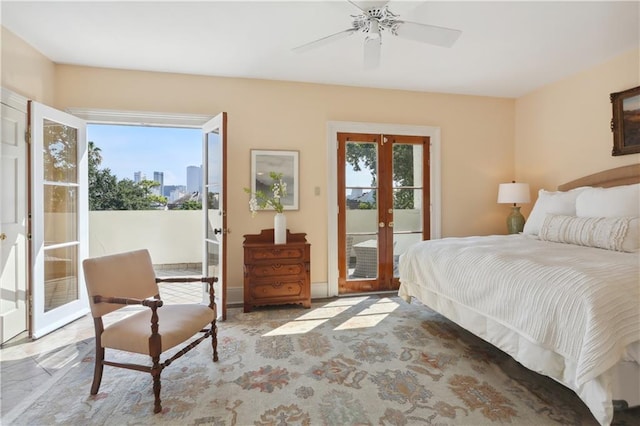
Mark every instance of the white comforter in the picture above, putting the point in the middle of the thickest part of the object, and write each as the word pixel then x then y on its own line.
pixel 582 303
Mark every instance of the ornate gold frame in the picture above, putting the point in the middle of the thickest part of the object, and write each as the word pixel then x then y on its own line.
pixel 625 123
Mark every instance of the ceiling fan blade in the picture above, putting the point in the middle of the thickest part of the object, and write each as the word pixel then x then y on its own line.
pixel 372 52
pixel 439 36
pixel 324 40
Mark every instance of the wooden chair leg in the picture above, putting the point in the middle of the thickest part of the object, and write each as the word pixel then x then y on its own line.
pixel 97 369
pixel 214 340
pixel 156 370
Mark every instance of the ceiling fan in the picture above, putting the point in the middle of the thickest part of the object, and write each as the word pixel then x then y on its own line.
pixel 378 19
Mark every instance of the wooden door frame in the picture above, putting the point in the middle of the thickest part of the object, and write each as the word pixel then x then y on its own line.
pixel 335 127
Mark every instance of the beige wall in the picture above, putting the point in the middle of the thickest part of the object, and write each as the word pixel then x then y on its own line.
pixel 550 136
pixel 477 140
pixel 25 70
pixel 563 129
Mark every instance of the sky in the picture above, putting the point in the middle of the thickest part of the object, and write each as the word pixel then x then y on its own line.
pixel 129 149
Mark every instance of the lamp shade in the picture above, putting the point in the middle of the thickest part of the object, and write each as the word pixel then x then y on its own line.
pixel 509 193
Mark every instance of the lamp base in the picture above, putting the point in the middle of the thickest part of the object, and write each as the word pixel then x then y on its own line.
pixel 515 221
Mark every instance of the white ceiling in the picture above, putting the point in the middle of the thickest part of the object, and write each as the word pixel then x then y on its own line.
pixel 506 49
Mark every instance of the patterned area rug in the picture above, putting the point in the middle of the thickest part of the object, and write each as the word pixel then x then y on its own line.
pixel 353 361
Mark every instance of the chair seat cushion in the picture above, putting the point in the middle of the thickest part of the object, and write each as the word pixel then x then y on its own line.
pixel 176 324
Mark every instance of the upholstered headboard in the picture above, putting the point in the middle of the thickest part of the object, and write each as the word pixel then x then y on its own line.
pixel 624 175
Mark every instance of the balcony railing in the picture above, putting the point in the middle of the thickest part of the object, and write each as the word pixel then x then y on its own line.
pixel 173 237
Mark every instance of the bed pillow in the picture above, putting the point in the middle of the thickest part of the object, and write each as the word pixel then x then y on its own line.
pixel 616 201
pixel 559 202
pixel 610 233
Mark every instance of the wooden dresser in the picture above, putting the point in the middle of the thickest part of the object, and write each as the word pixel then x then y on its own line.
pixel 276 274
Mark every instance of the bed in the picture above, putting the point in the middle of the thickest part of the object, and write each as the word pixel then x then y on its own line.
pixel 562 298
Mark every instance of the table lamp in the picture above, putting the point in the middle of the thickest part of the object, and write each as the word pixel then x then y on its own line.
pixel 513 192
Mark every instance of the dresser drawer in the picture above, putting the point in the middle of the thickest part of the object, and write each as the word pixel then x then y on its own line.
pixel 276 269
pixel 263 292
pixel 268 253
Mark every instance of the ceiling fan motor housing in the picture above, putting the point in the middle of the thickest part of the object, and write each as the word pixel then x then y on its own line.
pixel 385 19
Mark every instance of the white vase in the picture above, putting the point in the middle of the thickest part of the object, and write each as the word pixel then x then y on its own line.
pixel 280 228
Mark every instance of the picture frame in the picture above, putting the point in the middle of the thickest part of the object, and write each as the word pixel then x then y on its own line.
pixel 625 123
pixel 263 162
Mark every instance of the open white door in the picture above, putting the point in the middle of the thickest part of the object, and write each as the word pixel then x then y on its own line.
pixel 59 209
pixel 214 146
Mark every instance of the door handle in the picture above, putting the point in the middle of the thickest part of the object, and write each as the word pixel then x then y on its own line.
pixel 390 225
pixel 3 236
pixel 381 225
pixel 217 231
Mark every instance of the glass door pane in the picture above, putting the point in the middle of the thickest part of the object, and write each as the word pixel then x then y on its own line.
pixel 408 195
pixel 361 195
pixel 358 212
pixel 59 217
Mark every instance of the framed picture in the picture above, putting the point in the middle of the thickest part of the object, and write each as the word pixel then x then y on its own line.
pixel 285 162
pixel 625 123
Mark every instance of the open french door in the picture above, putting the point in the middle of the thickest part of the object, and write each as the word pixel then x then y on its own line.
pixel 214 146
pixel 58 207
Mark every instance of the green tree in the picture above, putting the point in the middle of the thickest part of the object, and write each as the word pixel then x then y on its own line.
pixel 403 169
pixel 107 193
pixel 191 205
pixel 137 196
pixel 364 155
pixel 103 185
pixel 60 157
pixel 60 152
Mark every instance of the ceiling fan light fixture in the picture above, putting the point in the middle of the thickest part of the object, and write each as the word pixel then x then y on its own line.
pixel 373 33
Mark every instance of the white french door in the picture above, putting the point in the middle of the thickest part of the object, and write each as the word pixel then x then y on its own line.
pixel 59 217
pixel 13 227
pixel 214 144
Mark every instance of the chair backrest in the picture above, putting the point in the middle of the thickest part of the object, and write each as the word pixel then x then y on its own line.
pixel 349 246
pixel 127 274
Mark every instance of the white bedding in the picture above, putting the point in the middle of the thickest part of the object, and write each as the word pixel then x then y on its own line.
pixel 580 304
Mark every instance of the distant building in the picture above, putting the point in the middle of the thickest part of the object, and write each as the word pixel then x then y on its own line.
pixel 194 179
pixel 358 197
pixel 355 193
pixel 138 177
pixel 159 178
pixel 177 203
pixel 168 189
pixel 174 192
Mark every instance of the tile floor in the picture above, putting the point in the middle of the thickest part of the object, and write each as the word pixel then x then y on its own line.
pixel 27 365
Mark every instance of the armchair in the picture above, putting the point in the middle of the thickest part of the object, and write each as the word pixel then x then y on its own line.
pixel 123 279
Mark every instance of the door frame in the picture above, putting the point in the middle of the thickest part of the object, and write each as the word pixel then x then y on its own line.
pixel 157 119
pixel 335 127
